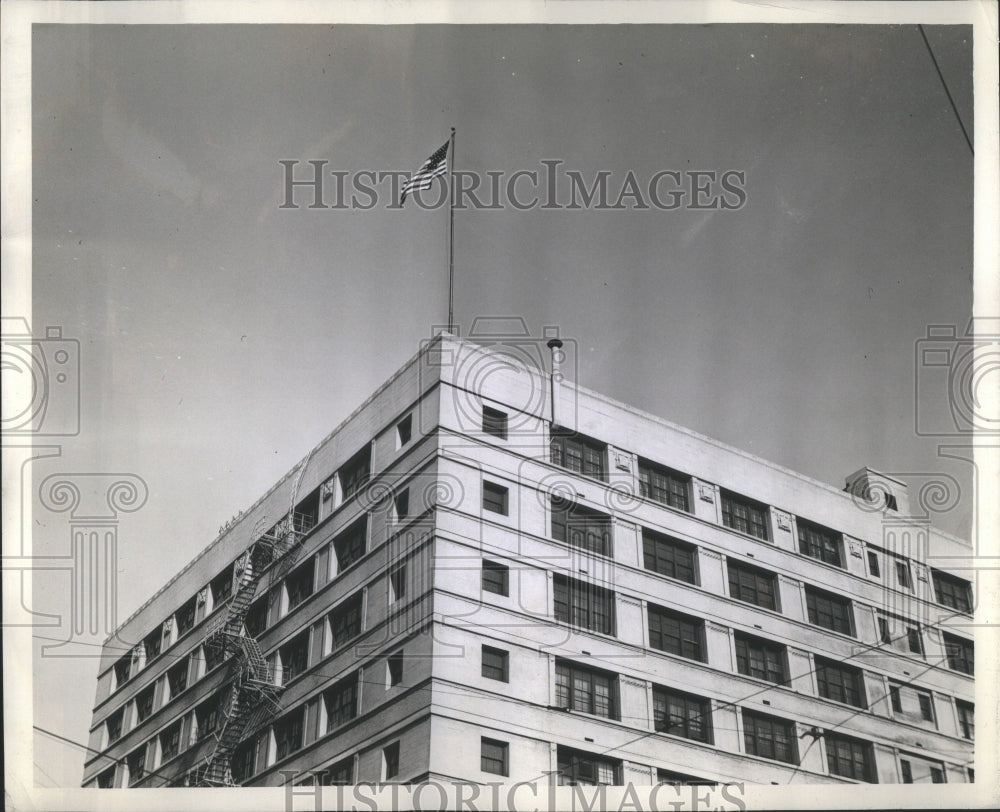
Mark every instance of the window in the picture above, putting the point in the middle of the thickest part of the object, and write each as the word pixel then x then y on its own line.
pixel 681 779
pixel 586 690
pixel 255 620
pixel 244 761
pixel 404 430
pixel 350 546
pixel 288 734
pixel 752 585
pixel 495 663
pixel 114 725
pixel 222 586
pixel 294 658
pixel 144 704
pixel 390 760
pixel 576 453
pixel 397 582
pixel 850 758
pixel 185 618
pixel 581 527
pixel 668 556
pixel 493 756
pixel 123 670
pixel 495 498
pixel 345 621
pixel 883 629
pixel 401 504
pixel 354 474
pixel 136 761
pixel 152 644
pixel 770 737
pixel 903 575
pixel 170 742
pixel 214 655
pixel 760 658
pixel 339 774
pixel 207 716
pixel 819 542
pixel 744 515
pixel 906 771
pixel 675 633
pixel 106 780
pixel 841 683
pixel 966 719
pixel 577 768
pixel 395 667
pixel 926 707
pixel 895 698
pixel 177 677
pixel 951 591
pixel 873 567
pixel 937 775
pixel 299 584
pixel 583 604
pixel 495 422
pixel 681 714
pixel 829 611
pixel 960 652
pixel 496 578
pixel 664 486
pixel 913 640
pixel 341 702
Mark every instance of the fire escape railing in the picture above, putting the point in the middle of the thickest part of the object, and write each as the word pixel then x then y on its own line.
pixel 253 698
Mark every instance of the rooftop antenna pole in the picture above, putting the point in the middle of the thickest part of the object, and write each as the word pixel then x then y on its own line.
pixel 451 237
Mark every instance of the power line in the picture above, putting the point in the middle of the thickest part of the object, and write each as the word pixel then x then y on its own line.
pixel 947 92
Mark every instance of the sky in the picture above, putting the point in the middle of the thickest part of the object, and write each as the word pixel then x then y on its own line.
pixel 222 336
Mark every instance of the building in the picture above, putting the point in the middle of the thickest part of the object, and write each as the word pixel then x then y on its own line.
pixel 492 574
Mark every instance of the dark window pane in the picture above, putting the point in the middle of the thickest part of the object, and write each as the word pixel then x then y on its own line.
pixel 584 604
pixel 580 454
pixel 760 658
pixel 495 422
pixel 586 690
pixel 744 515
pixel 960 653
pixel 681 714
pixel 829 611
pixel 770 737
pixel 675 633
pixel 819 542
pixel 841 683
pixel 752 585
pixel 668 556
pixel 496 578
pixel 495 663
pixel 952 591
pixel 664 486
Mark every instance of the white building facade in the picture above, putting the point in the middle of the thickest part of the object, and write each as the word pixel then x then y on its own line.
pixel 500 576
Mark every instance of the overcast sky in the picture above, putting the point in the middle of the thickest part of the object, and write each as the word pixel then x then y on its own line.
pixel 222 337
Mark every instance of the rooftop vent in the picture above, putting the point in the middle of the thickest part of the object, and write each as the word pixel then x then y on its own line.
pixel 873 491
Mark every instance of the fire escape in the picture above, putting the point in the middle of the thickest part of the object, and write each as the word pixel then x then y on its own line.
pixel 253 697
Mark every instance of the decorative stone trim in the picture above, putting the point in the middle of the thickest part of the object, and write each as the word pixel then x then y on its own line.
pixel 711 553
pixel 706 492
pixel 783 520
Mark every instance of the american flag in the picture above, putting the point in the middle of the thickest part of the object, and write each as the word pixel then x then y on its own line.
pixel 433 167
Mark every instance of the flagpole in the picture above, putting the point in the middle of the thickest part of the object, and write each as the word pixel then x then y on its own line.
pixel 451 236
